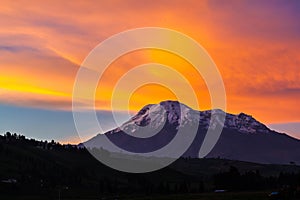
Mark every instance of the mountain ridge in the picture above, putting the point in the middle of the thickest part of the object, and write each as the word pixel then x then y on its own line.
pixel 243 137
pixel 237 121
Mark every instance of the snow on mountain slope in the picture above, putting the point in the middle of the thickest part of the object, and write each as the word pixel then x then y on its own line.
pixel 154 116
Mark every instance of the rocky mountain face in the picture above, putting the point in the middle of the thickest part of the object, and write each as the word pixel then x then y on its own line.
pixel 243 137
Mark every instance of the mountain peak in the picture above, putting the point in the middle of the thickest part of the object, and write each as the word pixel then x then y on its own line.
pixel 242 137
pixel 154 116
pixel 245 123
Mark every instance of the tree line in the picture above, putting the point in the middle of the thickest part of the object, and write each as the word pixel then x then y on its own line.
pixel 46 168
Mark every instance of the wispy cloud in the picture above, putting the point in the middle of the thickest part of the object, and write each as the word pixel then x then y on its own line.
pixel 254 43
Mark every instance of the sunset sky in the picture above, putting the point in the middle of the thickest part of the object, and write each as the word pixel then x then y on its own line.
pixel 254 43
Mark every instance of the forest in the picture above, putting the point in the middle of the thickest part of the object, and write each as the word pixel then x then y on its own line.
pixel 48 169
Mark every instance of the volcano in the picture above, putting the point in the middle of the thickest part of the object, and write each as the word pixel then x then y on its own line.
pixel 242 138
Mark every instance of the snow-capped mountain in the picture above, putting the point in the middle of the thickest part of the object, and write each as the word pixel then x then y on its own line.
pixel 243 137
pixel 155 116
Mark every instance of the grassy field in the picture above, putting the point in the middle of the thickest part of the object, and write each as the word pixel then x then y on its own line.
pixel 212 196
pixel 204 196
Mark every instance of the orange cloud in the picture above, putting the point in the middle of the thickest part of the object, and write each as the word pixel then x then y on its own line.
pixel 255 45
